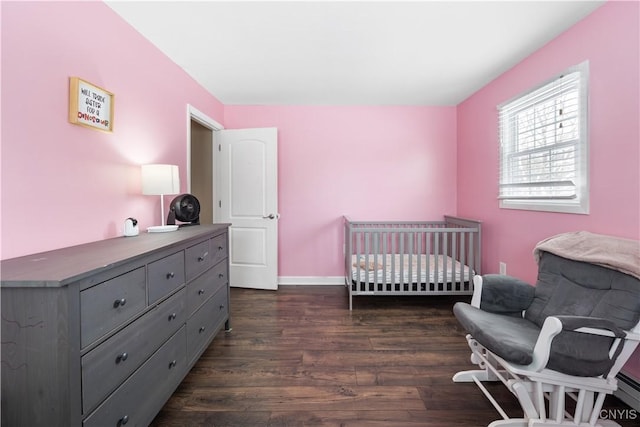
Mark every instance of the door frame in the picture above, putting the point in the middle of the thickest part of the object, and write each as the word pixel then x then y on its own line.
pixel 198 116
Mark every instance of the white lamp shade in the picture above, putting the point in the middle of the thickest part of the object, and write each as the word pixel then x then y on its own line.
pixel 160 179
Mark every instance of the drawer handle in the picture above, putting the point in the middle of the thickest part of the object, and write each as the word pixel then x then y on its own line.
pixel 201 330
pixel 172 316
pixel 122 421
pixel 172 364
pixel 122 357
pixel 203 257
pixel 170 275
pixel 201 291
pixel 119 302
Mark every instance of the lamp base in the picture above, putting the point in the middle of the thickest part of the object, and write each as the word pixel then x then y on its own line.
pixel 162 228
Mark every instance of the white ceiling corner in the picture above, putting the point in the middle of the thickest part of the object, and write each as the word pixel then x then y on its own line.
pixel 349 52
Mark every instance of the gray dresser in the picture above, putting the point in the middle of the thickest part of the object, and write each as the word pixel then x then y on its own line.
pixel 101 334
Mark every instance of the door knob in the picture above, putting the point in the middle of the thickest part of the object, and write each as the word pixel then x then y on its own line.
pixel 270 216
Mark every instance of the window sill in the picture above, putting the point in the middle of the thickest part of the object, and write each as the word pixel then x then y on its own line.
pixel 550 206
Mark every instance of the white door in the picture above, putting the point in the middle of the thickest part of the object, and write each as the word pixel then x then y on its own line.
pixel 248 199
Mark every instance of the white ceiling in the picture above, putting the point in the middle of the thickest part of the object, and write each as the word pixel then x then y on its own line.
pixel 349 52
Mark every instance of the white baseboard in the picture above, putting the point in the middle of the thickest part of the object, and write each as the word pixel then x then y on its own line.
pixel 311 280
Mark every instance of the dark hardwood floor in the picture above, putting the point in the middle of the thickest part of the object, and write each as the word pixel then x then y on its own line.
pixel 298 357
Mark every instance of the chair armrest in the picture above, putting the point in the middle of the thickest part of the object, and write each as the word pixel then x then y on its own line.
pixel 559 326
pixel 502 294
pixel 551 327
pixel 591 325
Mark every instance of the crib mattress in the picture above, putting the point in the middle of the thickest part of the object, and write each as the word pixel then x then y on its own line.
pixel 398 269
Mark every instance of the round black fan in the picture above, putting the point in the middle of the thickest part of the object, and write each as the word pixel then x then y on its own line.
pixel 184 208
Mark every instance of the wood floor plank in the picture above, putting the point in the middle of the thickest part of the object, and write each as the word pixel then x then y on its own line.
pixel 267 341
pixel 258 373
pixel 299 357
pixel 384 358
pixel 303 398
pixel 405 375
pixel 398 418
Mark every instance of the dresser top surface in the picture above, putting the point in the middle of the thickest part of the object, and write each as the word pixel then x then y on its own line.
pixel 62 266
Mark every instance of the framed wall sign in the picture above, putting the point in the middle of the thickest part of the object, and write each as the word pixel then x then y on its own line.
pixel 90 105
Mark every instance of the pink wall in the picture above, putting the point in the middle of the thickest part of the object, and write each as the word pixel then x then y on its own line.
pixel 64 184
pixel 609 38
pixel 384 163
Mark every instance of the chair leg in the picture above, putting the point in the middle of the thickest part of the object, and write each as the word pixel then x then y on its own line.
pixel 480 374
pixel 524 397
pixel 512 422
pixel 557 403
pixel 482 358
pixel 597 406
pixel 584 406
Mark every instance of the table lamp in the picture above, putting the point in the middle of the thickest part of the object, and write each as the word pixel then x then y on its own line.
pixel 160 180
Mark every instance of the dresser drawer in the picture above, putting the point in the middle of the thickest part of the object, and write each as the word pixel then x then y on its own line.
pixel 197 259
pixel 202 288
pixel 109 304
pixel 137 401
pixel 165 275
pixel 205 323
pixel 105 367
pixel 219 248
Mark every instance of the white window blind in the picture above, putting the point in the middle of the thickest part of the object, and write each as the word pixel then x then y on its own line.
pixel 543 142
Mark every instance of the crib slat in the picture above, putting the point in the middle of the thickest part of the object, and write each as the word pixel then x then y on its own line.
pixel 462 260
pixel 411 255
pixel 471 246
pixel 394 250
pixel 402 254
pixel 358 237
pixel 436 254
pixel 373 250
pixel 454 256
pixel 419 258
pixel 385 242
pixel 446 270
pixel 367 249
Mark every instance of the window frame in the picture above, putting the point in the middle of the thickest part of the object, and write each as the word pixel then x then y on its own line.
pixel 579 204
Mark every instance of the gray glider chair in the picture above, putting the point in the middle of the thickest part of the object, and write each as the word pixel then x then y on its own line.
pixel 566 337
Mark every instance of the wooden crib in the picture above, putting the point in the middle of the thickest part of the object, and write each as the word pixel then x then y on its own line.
pixel 411 258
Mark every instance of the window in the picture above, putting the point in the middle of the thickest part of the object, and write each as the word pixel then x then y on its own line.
pixel 544 146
